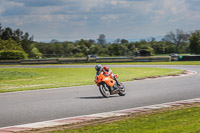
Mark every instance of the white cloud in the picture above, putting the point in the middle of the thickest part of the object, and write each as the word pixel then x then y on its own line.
pixel 127 17
pixel 113 2
pixel 110 17
pixel 47 18
pixel 2 9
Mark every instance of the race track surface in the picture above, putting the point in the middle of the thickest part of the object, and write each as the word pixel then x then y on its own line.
pixel 18 108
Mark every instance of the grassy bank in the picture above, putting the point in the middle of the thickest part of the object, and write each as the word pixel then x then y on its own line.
pixel 185 120
pixel 20 79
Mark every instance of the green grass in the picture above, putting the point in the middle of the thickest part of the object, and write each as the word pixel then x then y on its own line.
pixel 12 75
pixel 173 121
pixel 20 79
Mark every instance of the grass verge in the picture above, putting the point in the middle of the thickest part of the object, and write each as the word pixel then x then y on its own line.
pixel 176 120
pixel 21 79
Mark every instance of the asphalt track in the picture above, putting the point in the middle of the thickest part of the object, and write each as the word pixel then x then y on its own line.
pixel 18 108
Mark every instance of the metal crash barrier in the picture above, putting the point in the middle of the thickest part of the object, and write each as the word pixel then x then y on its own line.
pixel 84 60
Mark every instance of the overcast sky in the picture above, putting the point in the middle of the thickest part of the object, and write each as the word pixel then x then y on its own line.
pixel 76 19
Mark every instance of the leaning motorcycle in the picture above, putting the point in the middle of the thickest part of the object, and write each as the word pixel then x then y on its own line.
pixel 108 86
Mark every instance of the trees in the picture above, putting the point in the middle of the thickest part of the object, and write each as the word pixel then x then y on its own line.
pixel 26 42
pixel 123 41
pixel 195 42
pixel 13 55
pixel 173 42
pixel 7 33
pixel 179 39
pixel 0 30
pixel 102 39
pixel 17 35
pixel 10 49
pixel 10 44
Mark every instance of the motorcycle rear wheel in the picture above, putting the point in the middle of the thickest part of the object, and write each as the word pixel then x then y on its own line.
pixel 104 90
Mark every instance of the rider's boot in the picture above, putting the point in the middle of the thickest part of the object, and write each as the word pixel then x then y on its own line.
pixel 118 84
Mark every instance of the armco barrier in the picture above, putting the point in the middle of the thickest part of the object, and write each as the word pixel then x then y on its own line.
pixel 72 60
pixel 189 58
pixel 151 59
pixel 114 59
pixel 130 59
pixel 39 61
pixel 86 60
pixel 10 62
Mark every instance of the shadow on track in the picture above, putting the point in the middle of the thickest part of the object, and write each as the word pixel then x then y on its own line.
pixel 92 97
pixel 96 97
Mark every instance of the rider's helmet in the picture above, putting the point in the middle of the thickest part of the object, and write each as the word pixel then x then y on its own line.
pixel 98 67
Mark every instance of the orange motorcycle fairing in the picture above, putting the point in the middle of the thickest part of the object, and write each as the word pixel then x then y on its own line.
pixel 107 79
pixel 107 85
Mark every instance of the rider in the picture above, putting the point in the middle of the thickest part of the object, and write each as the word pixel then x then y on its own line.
pixel 107 72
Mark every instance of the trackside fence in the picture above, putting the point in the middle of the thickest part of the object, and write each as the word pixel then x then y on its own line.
pixel 85 60
pixel 189 58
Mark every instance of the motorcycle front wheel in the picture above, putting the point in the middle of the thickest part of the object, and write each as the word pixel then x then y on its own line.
pixel 104 90
pixel 122 91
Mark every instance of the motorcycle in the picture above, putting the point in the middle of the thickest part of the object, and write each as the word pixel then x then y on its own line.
pixel 108 86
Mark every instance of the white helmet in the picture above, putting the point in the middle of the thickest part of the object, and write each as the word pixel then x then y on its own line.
pixel 98 67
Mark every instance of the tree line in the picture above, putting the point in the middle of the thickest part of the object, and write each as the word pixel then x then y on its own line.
pixel 173 42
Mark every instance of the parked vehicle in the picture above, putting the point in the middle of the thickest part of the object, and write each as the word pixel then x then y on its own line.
pixel 174 56
pixel 92 56
pixel 108 86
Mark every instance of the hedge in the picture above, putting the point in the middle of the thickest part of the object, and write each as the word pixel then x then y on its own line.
pixel 13 54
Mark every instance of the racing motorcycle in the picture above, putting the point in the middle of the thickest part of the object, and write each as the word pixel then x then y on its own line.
pixel 108 86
